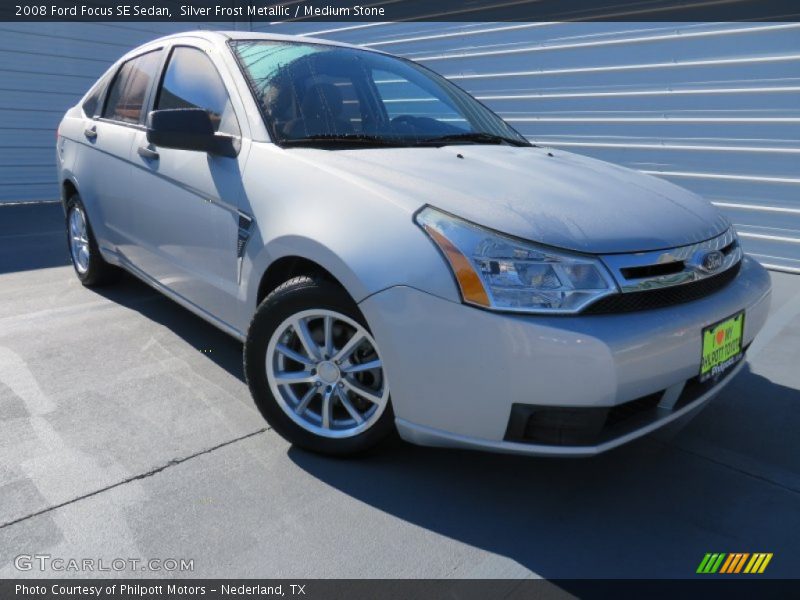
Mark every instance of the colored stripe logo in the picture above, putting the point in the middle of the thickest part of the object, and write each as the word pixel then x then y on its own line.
pixel 731 563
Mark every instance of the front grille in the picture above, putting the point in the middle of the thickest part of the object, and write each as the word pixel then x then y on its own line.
pixel 657 270
pixel 665 296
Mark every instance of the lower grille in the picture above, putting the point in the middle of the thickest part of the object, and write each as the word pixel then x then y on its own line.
pixel 574 426
pixel 661 297
pixel 593 425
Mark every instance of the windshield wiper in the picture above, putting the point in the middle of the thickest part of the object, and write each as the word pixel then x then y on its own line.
pixel 475 137
pixel 360 139
pixel 345 139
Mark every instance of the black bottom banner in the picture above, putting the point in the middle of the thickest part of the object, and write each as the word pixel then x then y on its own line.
pixel 389 589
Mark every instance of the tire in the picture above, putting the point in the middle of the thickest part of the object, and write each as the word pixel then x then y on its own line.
pixel 89 265
pixel 336 366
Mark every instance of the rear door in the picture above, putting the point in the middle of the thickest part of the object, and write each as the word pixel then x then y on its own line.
pixel 188 202
pixel 104 171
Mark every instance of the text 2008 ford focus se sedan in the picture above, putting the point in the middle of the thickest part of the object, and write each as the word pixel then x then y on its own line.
pixel 394 255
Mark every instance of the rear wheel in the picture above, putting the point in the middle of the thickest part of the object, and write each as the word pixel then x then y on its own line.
pixel 87 261
pixel 315 370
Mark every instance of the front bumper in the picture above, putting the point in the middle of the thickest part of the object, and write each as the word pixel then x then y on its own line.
pixel 456 372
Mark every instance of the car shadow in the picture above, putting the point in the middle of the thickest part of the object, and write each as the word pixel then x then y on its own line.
pixel 650 509
pixel 32 236
pixel 217 346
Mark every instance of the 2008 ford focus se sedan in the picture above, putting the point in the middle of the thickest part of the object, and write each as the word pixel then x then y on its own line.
pixel 394 256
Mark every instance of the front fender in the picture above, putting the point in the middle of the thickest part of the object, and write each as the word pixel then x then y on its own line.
pixel 361 234
pixel 302 247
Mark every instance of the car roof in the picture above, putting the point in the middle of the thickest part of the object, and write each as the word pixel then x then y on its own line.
pixel 223 36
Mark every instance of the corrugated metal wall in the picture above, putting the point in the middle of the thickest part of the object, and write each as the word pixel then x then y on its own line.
pixel 713 107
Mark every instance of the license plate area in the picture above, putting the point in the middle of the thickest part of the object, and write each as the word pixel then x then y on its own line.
pixel 721 346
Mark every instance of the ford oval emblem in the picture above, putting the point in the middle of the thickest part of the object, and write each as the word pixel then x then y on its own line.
pixel 711 261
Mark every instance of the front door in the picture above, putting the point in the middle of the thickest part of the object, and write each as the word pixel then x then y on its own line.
pixel 187 202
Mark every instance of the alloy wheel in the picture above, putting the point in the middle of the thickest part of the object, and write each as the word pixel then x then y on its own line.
pixel 326 374
pixel 79 239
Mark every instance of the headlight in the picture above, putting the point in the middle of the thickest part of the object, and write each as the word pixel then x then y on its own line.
pixel 506 274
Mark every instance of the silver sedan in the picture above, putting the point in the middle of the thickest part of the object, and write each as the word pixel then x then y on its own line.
pixel 396 257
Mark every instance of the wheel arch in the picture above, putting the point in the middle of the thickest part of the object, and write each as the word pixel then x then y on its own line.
pixel 69 188
pixel 286 267
pixel 287 256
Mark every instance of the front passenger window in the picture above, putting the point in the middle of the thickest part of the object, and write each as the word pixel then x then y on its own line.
pixel 192 81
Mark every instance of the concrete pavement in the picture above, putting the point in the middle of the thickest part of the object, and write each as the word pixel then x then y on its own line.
pixel 126 430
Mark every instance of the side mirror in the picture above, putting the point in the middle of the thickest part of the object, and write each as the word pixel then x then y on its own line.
pixel 188 129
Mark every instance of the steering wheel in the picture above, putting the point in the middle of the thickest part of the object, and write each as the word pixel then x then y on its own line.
pixel 404 120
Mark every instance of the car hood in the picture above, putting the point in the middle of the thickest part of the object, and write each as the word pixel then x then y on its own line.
pixel 547 196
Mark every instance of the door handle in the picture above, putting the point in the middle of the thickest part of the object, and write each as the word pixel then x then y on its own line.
pixel 147 153
pixel 90 132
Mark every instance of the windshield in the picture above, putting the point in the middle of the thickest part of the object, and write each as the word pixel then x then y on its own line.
pixel 316 94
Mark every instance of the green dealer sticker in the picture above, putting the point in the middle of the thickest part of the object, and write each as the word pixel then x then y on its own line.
pixel 722 346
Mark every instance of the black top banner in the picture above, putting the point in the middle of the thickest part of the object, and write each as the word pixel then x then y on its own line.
pixel 400 10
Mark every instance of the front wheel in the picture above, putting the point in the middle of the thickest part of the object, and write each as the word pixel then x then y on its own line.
pixel 315 371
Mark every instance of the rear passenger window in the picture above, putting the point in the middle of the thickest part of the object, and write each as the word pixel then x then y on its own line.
pixel 90 104
pixel 128 93
pixel 192 81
